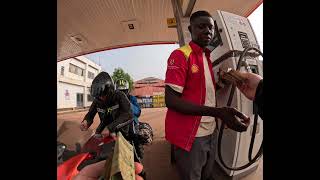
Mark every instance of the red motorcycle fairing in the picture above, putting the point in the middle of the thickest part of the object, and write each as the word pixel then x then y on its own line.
pixel 70 168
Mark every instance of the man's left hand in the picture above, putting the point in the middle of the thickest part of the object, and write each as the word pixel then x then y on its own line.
pixel 234 119
pixel 105 132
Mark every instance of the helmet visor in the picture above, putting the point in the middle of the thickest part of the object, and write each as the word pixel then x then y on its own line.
pixel 97 89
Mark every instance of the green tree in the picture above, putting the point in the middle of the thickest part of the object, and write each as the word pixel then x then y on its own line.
pixel 119 73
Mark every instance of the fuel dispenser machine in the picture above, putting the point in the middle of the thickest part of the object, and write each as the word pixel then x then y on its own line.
pixel 232 36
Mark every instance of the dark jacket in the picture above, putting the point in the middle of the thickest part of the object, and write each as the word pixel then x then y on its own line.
pixel 258 100
pixel 115 113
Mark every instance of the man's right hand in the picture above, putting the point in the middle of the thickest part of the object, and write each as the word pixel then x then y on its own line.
pixel 234 119
pixel 84 126
pixel 249 87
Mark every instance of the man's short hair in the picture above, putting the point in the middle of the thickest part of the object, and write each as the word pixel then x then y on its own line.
pixel 198 14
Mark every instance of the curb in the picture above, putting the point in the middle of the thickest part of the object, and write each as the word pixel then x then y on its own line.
pixel 72 111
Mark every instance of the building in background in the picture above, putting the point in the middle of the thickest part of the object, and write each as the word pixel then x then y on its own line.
pixel 74 78
pixel 149 92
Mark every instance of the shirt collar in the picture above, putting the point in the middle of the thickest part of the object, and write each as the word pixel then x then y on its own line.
pixel 198 50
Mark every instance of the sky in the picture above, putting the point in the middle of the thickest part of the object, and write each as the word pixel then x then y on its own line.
pixel 256 20
pixel 138 61
pixel 150 60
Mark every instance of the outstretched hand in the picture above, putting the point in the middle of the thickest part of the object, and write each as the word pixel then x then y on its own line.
pixel 234 119
pixel 250 84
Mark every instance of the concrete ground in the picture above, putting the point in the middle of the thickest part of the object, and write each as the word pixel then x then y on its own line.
pixel 157 156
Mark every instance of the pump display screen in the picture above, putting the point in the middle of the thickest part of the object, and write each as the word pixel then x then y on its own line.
pixel 254 69
pixel 244 39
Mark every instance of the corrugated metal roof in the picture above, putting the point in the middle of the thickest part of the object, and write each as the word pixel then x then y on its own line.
pixel 150 81
pixel 147 91
pixel 148 87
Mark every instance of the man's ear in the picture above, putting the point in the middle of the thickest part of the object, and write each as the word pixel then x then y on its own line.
pixel 189 27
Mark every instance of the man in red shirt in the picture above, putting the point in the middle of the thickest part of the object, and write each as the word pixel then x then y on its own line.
pixel 190 97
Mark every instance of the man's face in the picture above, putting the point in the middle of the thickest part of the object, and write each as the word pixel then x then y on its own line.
pixel 201 29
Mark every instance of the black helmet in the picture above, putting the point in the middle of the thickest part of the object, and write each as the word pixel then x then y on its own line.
pixel 102 85
pixel 122 85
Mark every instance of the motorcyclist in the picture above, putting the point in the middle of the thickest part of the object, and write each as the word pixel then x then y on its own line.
pixel 143 134
pixel 123 85
pixel 112 106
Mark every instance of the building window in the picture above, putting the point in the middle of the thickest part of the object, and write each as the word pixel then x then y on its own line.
pixel 62 71
pixel 80 71
pixel 76 70
pixel 90 75
pixel 72 68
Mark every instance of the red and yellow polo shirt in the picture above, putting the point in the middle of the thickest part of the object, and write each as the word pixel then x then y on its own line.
pixel 186 74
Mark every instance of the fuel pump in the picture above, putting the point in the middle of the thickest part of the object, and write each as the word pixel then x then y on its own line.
pixel 235 46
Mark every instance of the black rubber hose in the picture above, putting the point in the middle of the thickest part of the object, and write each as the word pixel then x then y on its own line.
pixel 258 155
